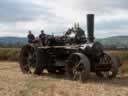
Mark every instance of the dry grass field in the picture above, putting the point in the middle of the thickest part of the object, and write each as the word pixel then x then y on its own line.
pixel 14 83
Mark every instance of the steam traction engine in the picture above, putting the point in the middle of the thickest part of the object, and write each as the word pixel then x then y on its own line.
pixel 76 61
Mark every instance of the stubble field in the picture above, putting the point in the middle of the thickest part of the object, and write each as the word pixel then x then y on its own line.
pixel 14 83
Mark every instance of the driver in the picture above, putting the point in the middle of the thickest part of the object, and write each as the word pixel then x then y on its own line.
pixel 31 37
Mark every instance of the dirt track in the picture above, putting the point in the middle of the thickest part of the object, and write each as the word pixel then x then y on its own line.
pixel 14 83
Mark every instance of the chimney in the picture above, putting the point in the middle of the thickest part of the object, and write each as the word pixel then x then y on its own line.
pixel 90 27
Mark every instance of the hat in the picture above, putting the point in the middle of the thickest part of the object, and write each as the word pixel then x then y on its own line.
pixel 42 30
pixel 29 31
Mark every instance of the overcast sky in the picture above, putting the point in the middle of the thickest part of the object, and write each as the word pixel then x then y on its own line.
pixel 55 16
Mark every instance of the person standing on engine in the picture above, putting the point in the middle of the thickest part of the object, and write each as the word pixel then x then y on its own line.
pixel 80 34
pixel 42 37
pixel 31 37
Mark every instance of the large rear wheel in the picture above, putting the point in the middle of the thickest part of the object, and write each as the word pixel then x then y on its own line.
pixel 26 60
pixel 78 67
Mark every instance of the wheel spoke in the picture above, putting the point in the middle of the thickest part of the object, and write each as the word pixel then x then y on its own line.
pixel 29 63
pixel 77 66
pixel 76 75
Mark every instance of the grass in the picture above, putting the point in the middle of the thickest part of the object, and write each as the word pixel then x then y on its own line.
pixel 10 54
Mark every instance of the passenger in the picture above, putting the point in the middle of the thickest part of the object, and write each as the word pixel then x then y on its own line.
pixel 42 37
pixel 31 37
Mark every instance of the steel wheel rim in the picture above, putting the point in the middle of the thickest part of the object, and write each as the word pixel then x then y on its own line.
pixel 76 68
pixel 29 63
pixel 106 60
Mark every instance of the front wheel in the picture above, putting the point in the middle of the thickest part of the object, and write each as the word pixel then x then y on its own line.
pixel 109 59
pixel 78 67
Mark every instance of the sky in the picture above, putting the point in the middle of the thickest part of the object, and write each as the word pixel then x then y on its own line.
pixel 55 16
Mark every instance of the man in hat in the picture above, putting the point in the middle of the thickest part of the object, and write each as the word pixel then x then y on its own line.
pixel 31 37
pixel 80 34
pixel 42 37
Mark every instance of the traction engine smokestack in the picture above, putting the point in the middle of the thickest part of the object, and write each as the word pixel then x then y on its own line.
pixel 90 27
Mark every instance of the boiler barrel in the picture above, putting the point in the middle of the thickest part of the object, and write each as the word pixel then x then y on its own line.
pixel 90 27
